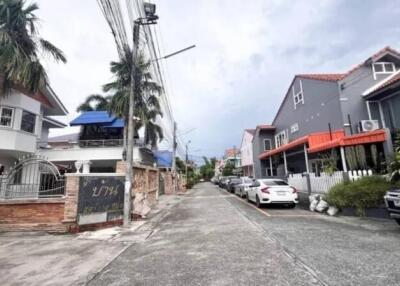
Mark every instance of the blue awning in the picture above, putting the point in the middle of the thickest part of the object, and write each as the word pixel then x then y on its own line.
pixel 163 158
pixel 102 118
pixel 117 123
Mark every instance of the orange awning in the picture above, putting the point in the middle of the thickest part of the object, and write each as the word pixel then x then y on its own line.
pixel 357 139
pixel 321 141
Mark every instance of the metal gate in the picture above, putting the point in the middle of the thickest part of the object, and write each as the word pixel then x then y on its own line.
pixel 33 177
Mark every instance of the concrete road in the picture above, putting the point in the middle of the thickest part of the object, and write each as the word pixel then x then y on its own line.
pixel 211 237
pixel 215 238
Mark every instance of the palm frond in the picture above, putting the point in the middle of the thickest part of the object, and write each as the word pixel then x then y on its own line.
pixel 57 54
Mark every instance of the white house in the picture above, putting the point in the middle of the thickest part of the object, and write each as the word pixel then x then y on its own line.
pixel 25 122
pixel 246 152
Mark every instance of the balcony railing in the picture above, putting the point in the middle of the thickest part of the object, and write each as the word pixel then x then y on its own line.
pixel 97 143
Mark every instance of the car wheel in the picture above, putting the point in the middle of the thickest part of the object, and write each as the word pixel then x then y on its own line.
pixel 397 220
pixel 258 203
pixel 248 198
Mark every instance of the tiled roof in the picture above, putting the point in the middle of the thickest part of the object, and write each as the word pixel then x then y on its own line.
pixel 384 83
pixel 265 127
pixel 323 76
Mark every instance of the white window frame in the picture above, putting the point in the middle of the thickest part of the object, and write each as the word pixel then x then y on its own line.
pixel 296 96
pixel 12 116
pixel 270 144
pixel 383 68
pixel 278 141
pixel 294 127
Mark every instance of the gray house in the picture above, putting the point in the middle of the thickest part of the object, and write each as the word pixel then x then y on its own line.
pixel 348 116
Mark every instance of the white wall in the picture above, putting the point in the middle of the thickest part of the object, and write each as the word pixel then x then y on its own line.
pixel 246 149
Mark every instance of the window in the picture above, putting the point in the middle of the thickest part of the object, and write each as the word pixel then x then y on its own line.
pixel 6 116
pixel 275 183
pixel 28 122
pixel 298 94
pixel 294 128
pixel 267 144
pixel 281 138
pixel 383 68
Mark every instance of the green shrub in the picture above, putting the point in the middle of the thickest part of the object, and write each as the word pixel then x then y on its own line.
pixel 365 193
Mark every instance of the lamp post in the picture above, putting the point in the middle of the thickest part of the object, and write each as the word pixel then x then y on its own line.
pixel 149 19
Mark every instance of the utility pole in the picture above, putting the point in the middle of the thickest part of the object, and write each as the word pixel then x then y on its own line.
pixel 149 19
pixel 187 159
pixel 175 145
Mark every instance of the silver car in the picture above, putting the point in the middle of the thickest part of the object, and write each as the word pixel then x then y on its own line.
pixel 242 188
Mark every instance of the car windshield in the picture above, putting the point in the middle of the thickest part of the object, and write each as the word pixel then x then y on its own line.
pixel 275 183
pixel 248 181
pixel 236 181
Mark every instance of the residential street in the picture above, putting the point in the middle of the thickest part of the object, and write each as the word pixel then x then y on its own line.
pixel 214 238
pixel 210 237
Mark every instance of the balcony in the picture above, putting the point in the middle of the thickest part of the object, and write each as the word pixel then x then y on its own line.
pixel 99 149
pixel 18 141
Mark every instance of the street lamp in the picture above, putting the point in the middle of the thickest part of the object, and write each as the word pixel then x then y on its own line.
pixel 149 19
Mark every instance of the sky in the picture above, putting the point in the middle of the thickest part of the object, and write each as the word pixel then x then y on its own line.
pixel 246 55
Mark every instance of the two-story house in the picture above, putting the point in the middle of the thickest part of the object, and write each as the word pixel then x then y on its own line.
pixel 325 112
pixel 25 122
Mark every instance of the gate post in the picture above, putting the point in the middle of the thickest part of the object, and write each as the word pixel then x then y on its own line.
pixel 308 182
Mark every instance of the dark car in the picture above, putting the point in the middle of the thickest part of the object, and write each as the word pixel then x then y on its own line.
pixel 224 181
pixel 392 201
pixel 230 186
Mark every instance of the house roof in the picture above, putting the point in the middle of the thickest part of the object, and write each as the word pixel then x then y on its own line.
pixel 323 76
pixel 102 118
pixel 265 127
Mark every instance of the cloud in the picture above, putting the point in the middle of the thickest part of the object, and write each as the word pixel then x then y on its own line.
pixel 246 54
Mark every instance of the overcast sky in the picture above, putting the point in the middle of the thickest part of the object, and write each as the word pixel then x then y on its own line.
pixel 247 53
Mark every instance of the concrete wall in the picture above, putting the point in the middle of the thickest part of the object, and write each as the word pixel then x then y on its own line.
pixel 321 107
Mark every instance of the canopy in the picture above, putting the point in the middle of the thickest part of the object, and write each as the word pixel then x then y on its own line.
pixel 102 118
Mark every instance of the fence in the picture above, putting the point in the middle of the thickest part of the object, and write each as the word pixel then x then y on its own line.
pixel 311 183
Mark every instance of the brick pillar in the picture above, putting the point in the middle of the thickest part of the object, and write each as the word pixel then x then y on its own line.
pixel 71 199
pixel 120 167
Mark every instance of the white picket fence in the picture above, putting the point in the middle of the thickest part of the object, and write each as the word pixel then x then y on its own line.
pixel 322 184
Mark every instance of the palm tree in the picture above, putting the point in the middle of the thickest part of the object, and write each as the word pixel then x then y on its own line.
pixel 20 47
pixel 95 102
pixel 147 106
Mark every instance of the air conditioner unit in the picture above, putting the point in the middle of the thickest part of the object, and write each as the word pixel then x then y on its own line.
pixel 368 125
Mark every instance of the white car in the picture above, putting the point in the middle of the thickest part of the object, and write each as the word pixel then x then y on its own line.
pixel 272 191
pixel 243 187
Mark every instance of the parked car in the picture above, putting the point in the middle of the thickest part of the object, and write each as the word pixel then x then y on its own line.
pixel 272 191
pixel 230 186
pixel 392 201
pixel 224 181
pixel 242 188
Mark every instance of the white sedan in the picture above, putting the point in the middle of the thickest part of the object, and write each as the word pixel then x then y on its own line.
pixel 272 191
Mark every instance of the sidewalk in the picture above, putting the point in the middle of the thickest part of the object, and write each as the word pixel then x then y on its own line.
pixel 37 258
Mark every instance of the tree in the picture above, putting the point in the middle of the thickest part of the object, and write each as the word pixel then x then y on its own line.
pixel 228 169
pixel 95 102
pixel 207 170
pixel 147 106
pixel 20 47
